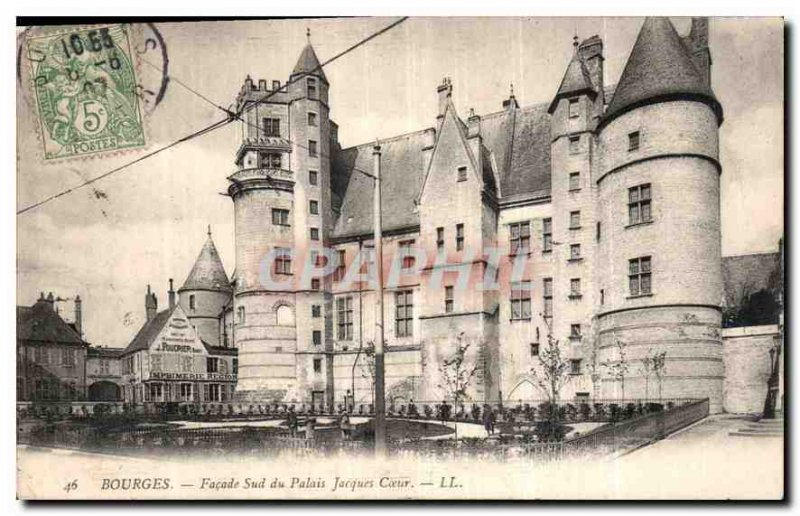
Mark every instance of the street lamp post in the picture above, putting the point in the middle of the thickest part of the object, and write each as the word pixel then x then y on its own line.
pixel 380 401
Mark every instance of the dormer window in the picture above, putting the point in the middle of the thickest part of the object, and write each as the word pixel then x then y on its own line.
pixel 574 108
pixel 633 141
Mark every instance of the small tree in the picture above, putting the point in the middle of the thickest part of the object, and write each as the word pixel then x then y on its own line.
pixel 647 370
pixel 660 368
pixel 456 374
pixel 595 371
pixel 551 375
pixel 619 368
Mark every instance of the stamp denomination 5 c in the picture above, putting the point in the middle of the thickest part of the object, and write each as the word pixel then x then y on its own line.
pixel 84 84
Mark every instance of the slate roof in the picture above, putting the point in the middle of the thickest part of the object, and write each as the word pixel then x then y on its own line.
pixel 40 322
pixel 576 80
pixel 148 333
pixel 219 350
pixel 102 352
pixel 309 63
pixel 747 274
pixel 402 171
pixel 659 66
pixel 208 272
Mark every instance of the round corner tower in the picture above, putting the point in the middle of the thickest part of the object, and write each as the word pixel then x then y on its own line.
pixel 658 188
pixel 280 206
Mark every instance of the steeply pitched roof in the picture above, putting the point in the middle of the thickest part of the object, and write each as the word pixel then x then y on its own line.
pixel 208 272
pixel 520 142
pixel 402 171
pixel 148 333
pixel 659 66
pixel 576 80
pixel 309 63
pixel 41 323
pixel 747 274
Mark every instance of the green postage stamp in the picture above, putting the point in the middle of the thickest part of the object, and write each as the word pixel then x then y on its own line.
pixel 84 89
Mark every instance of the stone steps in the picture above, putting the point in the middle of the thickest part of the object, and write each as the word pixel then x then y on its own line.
pixel 761 428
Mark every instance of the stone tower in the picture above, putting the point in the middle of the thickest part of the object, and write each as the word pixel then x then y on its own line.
pixel 281 196
pixel 658 187
pixel 205 293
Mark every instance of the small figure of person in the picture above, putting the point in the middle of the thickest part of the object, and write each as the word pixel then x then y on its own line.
pixel 310 428
pixel 492 420
pixel 292 422
pixel 487 419
pixel 344 425
pixel 444 409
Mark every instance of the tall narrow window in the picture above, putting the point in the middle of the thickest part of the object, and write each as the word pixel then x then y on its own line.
pixel 314 233
pixel 521 300
pixel 597 236
pixel 575 252
pixel 462 174
pixel 574 181
pixel 520 236
pixel 575 288
pixel 633 141
pixel 212 365
pixel 639 204
pixel 574 108
pixel 448 299
pixel 312 119
pixel 574 220
pixel 311 87
pixel 317 365
pixel 313 178
pixel 548 296
pixel 313 207
pixel 574 331
pixel 408 258
pixel 316 311
pixel 344 318
pixel 404 313
pixel 339 271
pixel 191 303
pixel 547 235
pixel 240 315
pixel 440 238
pixel 316 337
pixel 574 144
pixel 459 237
pixel 639 276
pixel 575 366
pixel 283 261
pixel 312 148
pixel 280 217
pixel 534 349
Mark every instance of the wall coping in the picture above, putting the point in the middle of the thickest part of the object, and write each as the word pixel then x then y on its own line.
pixel 750 331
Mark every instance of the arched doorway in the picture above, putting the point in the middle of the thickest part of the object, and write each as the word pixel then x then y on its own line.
pixel 104 391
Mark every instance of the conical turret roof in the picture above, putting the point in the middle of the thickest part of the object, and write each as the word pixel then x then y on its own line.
pixel 208 272
pixel 309 63
pixel 576 80
pixel 659 67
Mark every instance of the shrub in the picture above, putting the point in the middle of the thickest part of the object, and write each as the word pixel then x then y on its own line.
pixel 412 410
pixel 630 410
pixel 585 411
pixel 428 411
pixel 572 412
pixel 614 411
pixel 476 412
pixel 599 411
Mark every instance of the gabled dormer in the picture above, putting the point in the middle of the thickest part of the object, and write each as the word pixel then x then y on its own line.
pixel 575 105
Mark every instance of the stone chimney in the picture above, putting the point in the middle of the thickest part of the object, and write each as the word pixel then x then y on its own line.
pixel 591 52
pixel 445 91
pixel 171 295
pixel 150 305
pixel 50 299
pixel 473 124
pixel 511 101
pixel 697 43
pixel 79 315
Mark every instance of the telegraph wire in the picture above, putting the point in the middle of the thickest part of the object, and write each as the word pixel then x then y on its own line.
pixel 230 117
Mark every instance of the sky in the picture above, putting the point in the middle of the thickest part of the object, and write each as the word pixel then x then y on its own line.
pixel 147 224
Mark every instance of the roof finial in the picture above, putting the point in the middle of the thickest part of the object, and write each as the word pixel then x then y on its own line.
pixel 209 230
pixel 512 90
pixel 308 34
pixel 575 40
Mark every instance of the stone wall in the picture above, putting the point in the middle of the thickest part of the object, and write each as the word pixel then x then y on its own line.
pixel 747 368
